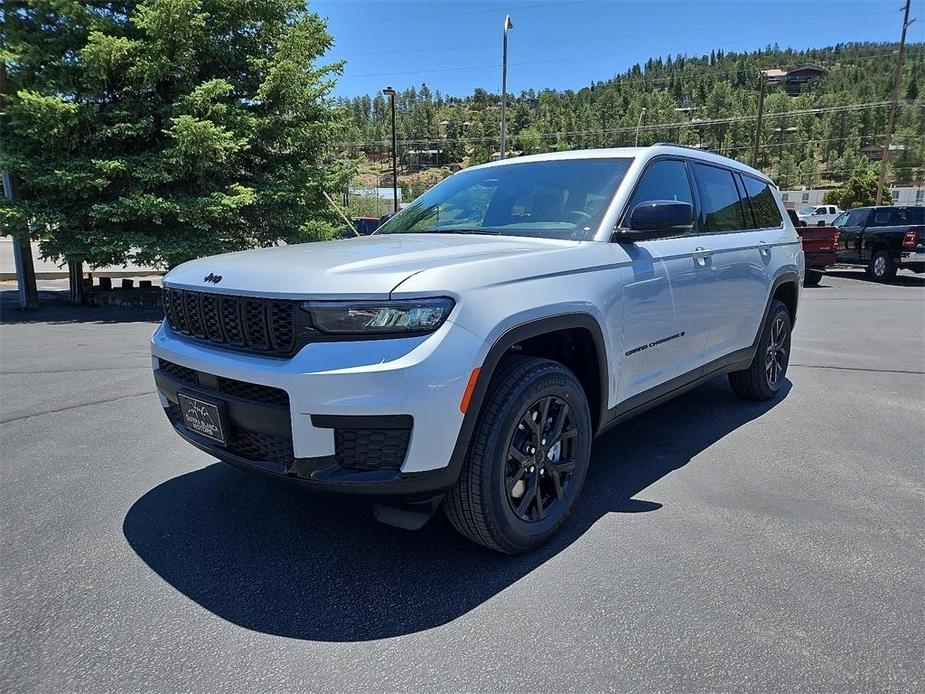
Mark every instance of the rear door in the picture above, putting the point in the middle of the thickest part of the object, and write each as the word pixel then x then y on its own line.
pixel 667 282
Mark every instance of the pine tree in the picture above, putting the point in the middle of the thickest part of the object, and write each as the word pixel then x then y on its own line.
pixel 162 130
pixel 912 90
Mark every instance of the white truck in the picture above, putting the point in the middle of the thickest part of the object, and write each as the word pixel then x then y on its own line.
pixel 818 215
pixel 466 354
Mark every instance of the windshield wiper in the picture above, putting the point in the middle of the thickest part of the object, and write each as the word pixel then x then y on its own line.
pixel 463 230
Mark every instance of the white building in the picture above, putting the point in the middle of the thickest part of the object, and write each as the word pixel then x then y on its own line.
pixel 904 195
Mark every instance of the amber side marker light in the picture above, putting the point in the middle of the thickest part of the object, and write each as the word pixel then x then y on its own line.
pixel 470 387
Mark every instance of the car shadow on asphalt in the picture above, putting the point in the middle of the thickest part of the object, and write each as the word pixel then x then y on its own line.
pixel 270 557
pixel 901 279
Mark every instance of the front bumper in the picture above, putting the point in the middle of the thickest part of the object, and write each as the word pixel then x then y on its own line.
pixel 418 381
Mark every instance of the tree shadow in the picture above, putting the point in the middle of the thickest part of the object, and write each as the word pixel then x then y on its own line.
pixel 272 558
pixel 56 311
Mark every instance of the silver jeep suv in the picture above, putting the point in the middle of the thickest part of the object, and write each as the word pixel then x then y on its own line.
pixel 467 353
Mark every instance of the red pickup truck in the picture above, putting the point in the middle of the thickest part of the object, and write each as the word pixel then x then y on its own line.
pixel 820 248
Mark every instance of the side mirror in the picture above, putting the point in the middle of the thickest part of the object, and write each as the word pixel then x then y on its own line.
pixel 655 219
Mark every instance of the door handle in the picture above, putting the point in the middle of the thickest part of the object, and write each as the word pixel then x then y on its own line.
pixel 701 254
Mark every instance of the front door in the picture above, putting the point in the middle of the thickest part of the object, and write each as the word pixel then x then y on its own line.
pixel 667 286
pixel 849 236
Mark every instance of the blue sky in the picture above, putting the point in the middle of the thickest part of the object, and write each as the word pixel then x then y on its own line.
pixel 456 46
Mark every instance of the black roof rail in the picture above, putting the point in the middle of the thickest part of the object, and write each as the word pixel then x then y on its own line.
pixel 675 144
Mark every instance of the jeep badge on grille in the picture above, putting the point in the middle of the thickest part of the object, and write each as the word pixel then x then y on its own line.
pixel 214 279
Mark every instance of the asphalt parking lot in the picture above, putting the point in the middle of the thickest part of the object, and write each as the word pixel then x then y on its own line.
pixel 720 546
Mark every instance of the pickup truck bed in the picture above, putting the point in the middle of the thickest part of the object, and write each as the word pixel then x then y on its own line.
pixel 820 247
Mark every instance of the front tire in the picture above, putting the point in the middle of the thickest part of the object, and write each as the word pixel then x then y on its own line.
pixel 763 378
pixel 881 267
pixel 528 458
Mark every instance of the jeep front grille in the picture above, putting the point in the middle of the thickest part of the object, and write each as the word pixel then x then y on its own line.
pixel 267 326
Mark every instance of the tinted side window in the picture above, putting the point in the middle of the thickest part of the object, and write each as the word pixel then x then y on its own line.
pixel 856 218
pixel 663 180
pixel 720 208
pixel 898 216
pixel 886 217
pixel 764 206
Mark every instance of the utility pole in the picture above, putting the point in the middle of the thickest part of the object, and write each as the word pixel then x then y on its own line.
pixel 757 141
pixel 897 79
pixel 391 93
pixel 507 25
pixel 22 246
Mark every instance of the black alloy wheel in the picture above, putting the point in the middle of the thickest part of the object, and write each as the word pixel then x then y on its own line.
pixel 778 352
pixel 541 459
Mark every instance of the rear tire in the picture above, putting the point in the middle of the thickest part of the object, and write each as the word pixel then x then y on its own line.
pixel 528 457
pixel 812 278
pixel 881 267
pixel 763 378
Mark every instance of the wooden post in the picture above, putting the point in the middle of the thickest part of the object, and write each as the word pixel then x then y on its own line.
pixel 897 79
pixel 757 140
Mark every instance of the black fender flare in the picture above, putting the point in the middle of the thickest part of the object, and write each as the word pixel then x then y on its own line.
pixel 501 346
pixel 786 277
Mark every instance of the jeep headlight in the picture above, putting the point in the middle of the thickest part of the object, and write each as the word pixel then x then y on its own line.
pixel 393 318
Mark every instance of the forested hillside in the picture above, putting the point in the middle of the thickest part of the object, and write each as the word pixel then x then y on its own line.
pixel 810 139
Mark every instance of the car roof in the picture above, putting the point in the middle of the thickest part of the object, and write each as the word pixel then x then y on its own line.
pixel 633 153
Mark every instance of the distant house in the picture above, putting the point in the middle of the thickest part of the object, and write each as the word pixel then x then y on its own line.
pixel 424 158
pixel 794 80
pixel 875 152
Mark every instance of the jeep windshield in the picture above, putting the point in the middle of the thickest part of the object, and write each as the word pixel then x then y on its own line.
pixel 556 199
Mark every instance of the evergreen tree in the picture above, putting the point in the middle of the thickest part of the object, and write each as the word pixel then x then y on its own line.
pixel 859 191
pixel 912 90
pixel 685 93
pixel 162 130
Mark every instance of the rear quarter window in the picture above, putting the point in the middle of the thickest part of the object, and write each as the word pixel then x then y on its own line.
pixel 764 206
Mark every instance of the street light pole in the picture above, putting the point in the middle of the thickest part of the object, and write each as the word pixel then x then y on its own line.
pixel 897 78
pixel 391 94
pixel 507 25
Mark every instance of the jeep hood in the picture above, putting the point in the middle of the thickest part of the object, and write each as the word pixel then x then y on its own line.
pixel 364 267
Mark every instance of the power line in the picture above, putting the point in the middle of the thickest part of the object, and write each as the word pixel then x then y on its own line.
pixel 645 128
pixel 686 72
